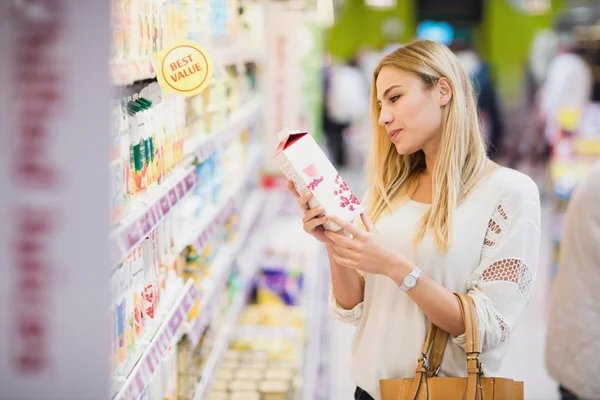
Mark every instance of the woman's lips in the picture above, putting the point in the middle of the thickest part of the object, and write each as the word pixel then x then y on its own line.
pixel 394 133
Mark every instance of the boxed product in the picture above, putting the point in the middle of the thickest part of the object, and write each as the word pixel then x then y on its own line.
pixel 307 166
pixel 278 285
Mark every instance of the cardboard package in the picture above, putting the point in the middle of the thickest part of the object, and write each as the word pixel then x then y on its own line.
pixel 306 165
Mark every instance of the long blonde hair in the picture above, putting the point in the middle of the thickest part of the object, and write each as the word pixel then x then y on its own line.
pixel 462 159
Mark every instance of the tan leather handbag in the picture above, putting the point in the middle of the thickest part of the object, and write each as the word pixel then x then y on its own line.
pixel 427 385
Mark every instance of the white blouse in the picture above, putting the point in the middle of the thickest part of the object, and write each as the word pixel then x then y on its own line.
pixel 492 256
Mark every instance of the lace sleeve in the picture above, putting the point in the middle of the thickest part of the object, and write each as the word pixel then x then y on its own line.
pixel 503 283
pixel 349 316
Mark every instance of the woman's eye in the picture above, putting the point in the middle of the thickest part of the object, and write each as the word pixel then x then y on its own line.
pixel 393 99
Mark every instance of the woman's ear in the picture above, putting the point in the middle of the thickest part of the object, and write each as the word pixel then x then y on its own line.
pixel 445 91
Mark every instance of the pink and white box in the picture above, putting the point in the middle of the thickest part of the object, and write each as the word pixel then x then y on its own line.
pixel 306 165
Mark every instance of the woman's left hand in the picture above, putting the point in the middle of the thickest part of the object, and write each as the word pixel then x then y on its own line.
pixel 366 250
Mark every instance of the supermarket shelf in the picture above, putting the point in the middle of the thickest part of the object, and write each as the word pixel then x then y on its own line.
pixel 128 71
pixel 204 145
pixel 131 70
pixel 213 217
pixel 222 266
pixel 226 333
pixel 148 213
pixel 241 119
pixel 152 353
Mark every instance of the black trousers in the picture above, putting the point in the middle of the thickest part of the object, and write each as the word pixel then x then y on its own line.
pixel 565 394
pixel 360 394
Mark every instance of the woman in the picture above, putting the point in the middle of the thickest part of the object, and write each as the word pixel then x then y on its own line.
pixel 573 341
pixel 441 218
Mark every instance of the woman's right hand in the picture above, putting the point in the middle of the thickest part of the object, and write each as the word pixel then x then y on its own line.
pixel 313 224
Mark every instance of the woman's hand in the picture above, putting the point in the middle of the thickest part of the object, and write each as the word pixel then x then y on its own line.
pixel 366 251
pixel 313 224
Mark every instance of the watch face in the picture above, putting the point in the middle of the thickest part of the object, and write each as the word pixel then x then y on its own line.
pixel 410 281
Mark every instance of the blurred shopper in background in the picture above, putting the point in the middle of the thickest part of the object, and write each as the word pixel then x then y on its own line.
pixel 573 342
pixel 346 102
pixel 487 101
pixel 527 144
pixel 568 85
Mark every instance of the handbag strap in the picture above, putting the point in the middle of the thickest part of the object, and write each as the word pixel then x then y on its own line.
pixel 436 354
pixel 435 344
pixel 433 348
pixel 474 371
pixel 469 315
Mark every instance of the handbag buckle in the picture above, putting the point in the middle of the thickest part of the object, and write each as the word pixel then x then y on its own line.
pixel 436 371
pixel 475 356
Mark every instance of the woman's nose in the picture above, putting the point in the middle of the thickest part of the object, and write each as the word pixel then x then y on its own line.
pixel 385 117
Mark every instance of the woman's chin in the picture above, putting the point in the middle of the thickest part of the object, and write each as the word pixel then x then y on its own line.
pixel 404 149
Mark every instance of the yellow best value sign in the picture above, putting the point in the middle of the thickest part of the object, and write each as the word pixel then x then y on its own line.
pixel 184 69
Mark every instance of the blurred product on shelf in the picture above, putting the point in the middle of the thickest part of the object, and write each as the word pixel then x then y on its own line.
pixel 164 386
pixel 143 27
pixel 281 278
pixel 265 356
pixel 182 218
pixel 147 145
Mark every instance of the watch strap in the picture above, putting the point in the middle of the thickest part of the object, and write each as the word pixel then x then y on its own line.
pixel 415 273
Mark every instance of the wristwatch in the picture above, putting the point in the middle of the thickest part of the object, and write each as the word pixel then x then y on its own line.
pixel 410 280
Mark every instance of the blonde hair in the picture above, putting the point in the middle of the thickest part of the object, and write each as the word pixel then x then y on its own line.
pixel 462 159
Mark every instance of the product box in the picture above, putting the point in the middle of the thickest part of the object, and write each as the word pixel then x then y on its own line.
pixel 304 163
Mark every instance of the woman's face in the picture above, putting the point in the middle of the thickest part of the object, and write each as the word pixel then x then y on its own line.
pixel 410 112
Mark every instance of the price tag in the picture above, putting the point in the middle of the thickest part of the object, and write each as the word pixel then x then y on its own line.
pixel 159 351
pixel 150 367
pixel 167 338
pixel 193 293
pixel 190 181
pixel 187 303
pixel 157 211
pixel 152 218
pixel 180 189
pixel 173 196
pixel 165 205
pixel 197 329
pixel 175 322
pixel 132 235
pixel 144 225
pixel 138 387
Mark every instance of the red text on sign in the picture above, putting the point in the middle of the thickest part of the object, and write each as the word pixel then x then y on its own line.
pixel 33 232
pixel 185 73
pixel 38 92
pixel 182 62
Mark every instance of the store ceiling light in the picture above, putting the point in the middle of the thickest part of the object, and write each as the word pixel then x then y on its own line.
pixel 534 7
pixel 325 13
pixel 381 3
